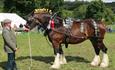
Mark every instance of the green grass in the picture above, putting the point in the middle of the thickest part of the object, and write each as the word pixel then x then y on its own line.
pixel 78 56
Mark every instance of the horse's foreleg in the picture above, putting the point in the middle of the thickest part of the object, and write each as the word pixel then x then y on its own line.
pixel 56 64
pixel 62 57
pixel 105 60
pixel 96 60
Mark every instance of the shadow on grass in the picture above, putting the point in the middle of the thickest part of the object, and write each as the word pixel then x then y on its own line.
pixel 49 59
pixel 2 65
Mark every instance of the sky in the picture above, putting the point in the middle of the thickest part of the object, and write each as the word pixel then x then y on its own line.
pixel 92 0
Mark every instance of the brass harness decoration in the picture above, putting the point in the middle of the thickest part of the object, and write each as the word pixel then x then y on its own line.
pixel 43 10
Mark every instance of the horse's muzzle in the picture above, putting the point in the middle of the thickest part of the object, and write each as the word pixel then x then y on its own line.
pixel 27 26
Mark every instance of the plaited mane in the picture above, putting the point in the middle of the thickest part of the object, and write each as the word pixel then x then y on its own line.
pixel 43 10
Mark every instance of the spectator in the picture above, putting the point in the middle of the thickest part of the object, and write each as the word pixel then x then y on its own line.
pixel 10 45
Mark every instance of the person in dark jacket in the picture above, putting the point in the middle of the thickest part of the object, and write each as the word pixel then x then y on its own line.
pixel 10 45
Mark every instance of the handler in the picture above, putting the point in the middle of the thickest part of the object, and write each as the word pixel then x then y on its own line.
pixel 10 45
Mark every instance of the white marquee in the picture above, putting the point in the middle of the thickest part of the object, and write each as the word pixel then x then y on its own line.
pixel 16 19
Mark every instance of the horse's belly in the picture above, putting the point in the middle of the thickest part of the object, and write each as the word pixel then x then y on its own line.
pixel 75 40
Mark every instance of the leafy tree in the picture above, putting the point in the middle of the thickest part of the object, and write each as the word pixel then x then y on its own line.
pixel 109 16
pixel 56 6
pixel 21 7
pixel 80 12
pixel 1 5
pixel 97 10
pixel 9 5
pixel 67 13
pixel 41 3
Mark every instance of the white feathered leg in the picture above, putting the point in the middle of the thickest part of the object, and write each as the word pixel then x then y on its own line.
pixel 56 64
pixel 96 61
pixel 62 59
pixel 105 61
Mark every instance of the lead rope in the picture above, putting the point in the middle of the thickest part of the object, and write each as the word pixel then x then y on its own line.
pixel 30 50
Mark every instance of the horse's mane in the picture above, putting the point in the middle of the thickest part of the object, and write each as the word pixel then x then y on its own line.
pixel 42 11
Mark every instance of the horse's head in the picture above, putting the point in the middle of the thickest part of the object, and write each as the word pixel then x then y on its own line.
pixel 38 17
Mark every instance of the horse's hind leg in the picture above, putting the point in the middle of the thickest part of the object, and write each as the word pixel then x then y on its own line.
pixel 62 57
pixel 96 60
pixel 99 45
pixel 105 60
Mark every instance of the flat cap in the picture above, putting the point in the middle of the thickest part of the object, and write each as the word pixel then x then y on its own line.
pixel 6 21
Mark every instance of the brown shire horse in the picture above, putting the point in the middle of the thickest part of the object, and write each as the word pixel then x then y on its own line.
pixel 79 32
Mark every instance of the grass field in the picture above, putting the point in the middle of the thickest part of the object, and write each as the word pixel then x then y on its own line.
pixel 78 56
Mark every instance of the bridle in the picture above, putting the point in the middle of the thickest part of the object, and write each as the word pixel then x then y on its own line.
pixel 36 21
pixel 40 23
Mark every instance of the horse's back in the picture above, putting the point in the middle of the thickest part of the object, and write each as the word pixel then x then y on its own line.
pixel 88 27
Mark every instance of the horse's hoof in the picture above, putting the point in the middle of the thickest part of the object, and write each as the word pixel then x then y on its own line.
pixel 96 61
pixel 55 67
pixel 94 64
pixel 103 65
pixel 61 62
pixel 105 61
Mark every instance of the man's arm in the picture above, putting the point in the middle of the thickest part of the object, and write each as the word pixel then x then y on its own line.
pixel 22 30
pixel 8 40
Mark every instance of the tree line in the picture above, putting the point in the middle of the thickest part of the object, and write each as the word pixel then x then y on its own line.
pixel 79 9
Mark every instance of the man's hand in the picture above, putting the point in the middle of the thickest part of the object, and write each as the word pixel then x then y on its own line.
pixel 16 49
